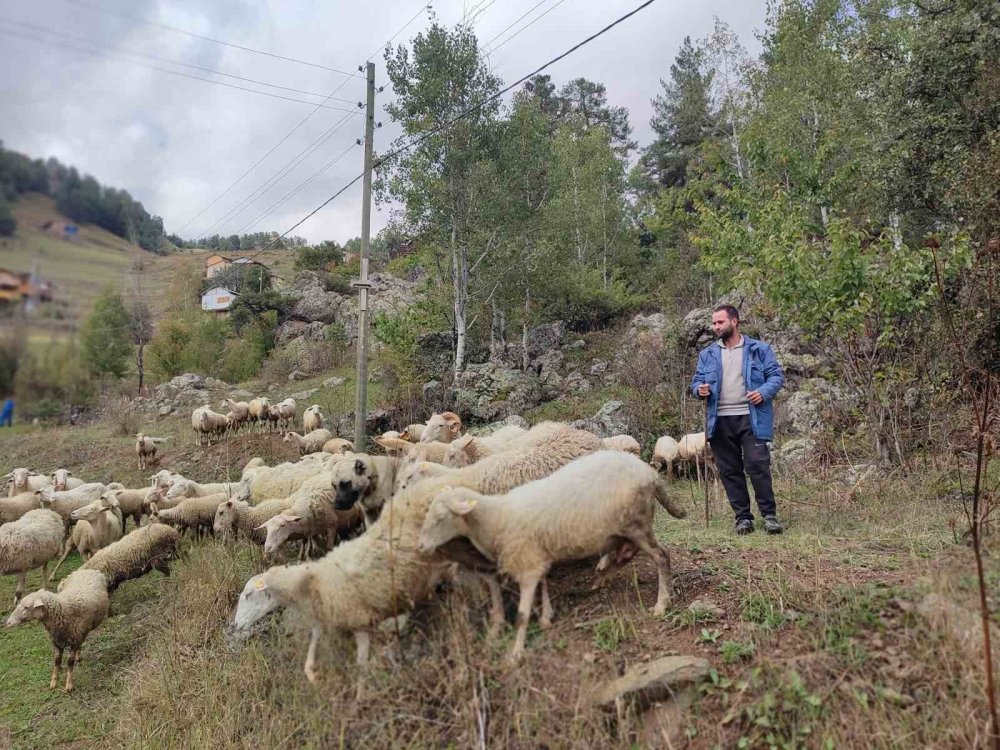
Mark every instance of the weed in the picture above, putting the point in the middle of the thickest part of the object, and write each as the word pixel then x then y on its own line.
pixel 610 633
pixel 709 636
pixel 735 651
pixel 761 609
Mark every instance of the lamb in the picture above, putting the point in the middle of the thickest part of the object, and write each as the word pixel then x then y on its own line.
pixel 338 446
pixel 189 488
pixel 240 411
pixel 13 508
pixel 353 588
pixel 258 409
pixel 63 479
pixel 412 433
pixel 468 449
pixel 442 428
pixel 435 451
pixel 624 443
pixel 312 442
pixel 145 448
pixel 285 412
pixel 135 554
pixel 311 516
pixel 64 503
pixel 588 507
pixel 69 616
pixel 130 502
pixel 312 418
pixel 196 513
pixel 158 498
pixel 163 479
pixel 665 453
pixel 278 481
pixel 367 481
pixel 97 526
pixel 235 515
pixel 30 542
pixel 692 447
pixel 25 480
pixel 209 424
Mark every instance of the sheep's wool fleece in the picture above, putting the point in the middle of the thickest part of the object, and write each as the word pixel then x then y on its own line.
pixel 78 608
pixel 133 554
pixel 31 541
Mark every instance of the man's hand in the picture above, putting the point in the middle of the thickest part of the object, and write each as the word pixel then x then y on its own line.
pixel 704 389
pixel 755 398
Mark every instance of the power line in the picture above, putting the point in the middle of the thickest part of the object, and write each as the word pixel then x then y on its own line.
pixel 86 51
pixel 137 19
pixel 515 21
pixel 133 53
pixel 474 17
pixel 526 26
pixel 415 141
pixel 402 28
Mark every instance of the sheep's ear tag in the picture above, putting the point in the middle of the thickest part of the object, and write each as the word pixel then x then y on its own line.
pixel 462 507
pixel 259 584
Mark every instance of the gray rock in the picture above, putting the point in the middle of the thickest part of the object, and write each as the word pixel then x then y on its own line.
pixel 289 330
pixel 333 382
pixel 610 420
pixel 576 345
pixel 658 680
pixel 545 338
pixel 434 351
pixel 314 304
pixel 433 393
pixel 794 453
pixel 598 368
pixel 296 375
pixel 489 391
pixel 803 413
pixel 272 388
pixel 697 326
pixel 707 606
pixel 647 330
pixel 166 410
pixel 576 384
pixel 187 380
pixel 305 395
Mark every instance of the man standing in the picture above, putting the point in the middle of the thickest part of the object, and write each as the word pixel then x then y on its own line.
pixel 7 413
pixel 740 376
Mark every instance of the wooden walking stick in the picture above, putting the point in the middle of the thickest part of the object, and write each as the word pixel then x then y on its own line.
pixel 706 462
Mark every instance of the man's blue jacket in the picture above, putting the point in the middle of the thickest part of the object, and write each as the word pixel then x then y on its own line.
pixel 761 372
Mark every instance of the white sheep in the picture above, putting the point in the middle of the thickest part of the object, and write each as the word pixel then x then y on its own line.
pixel 130 502
pixel 235 515
pixel 30 542
pixel 665 453
pixel 312 442
pixel 623 443
pixel 285 412
pixel 469 448
pixel 146 447
pixel 313 418
pixel 13 508
pixel 442 428
pixel 64 503
pixel 69 616
pixel 268 482
pixel 434 451
pixel 258 408
pixel 585 508
pixel 148 548
pixel 163 479
pixel 63 479
pixel 97 526
pixel 240 411
pixel 25 480
pixel 692 448
pixel 311 516
pixel 411 433
pixel 209 424
pixel 338 446
pixel 182 488
pixel 196 513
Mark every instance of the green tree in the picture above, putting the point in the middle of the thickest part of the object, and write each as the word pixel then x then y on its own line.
pixel 7 222
pixel 106 336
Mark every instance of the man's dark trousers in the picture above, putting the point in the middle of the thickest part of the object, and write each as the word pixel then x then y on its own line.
pixel 738 453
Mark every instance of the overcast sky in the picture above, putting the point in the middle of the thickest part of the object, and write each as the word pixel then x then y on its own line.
pixel 176 143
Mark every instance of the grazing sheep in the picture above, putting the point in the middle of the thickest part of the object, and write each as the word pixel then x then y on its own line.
pixel 691 448
pixel 135 554
pixel 588 507
pixel 279 481
pixel 196 513
pixel 240 411
pixel 312 442
pixel 623 443
pixel 69 616
pixel 412 432
pixel 285 412
pixel 64 503
pixel 145 448
pixel 13 508
pixel 210 424
pixel 468 449
pixel 97 526
pixel 390 434
pixel 434 452
pixel 258 410
pixel 130 502
pixel 338 446
pixel 63 479
pixel 189 488
pixel 235 515
pixel 367 481
pixel 311 516
pixel 665 453
pixel 163 479
pixel 359 584
pixel 313 418
pixel 158 498
pixel 442 428
pixel 30 542
pixel 25 480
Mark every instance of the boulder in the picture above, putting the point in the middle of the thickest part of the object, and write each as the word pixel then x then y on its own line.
pixel 610 420
pixel 333 382
pixel 313 301
pixel 576 345
pixel 289 330
pixel 707 606
pixel 296 375
pixel 489 391
pixel 658 680
pixel 599 368
pixel 697 326
pixel 314 304
pixel 803 413
pixel 575 383
pixel 433 394
pixel 304 395
pixel 434 351
pixel 647 329
pixel 545 338
pixel 794 453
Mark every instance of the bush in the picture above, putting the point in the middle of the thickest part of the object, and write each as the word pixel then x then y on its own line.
pixel 319 257
pixel 122 414
pixel 51 383
pixel 11 351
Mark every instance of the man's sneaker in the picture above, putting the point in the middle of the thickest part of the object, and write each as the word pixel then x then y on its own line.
pixel 771 525
pixel 744 526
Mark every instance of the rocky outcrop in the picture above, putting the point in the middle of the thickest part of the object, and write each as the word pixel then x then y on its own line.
pixel 314 304
pixel 183 391
pixel 490 391
pixel 611 419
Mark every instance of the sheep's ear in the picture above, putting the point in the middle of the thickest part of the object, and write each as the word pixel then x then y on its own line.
pixel 468 445
pixel 9 475
pixel 460 506
pixel 359 467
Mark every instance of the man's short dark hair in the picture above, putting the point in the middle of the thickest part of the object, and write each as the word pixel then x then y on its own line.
pixel 729 310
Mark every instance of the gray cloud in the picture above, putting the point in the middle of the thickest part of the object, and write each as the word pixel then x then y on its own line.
pixel 176 143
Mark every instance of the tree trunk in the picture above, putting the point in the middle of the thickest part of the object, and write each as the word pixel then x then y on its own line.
pixel 460 280
pixel 576 217
pixel 140 363
pixel 525 359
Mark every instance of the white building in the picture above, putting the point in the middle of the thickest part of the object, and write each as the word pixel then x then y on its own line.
pixel 217 299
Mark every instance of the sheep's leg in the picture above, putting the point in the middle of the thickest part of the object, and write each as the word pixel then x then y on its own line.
pixel 45 575
pixel 362 641
pixel 528 583
pixel 57 654
pixel 496 606
pixel 310 669
pixel 70 664
pixel 546 621
pixel 648 544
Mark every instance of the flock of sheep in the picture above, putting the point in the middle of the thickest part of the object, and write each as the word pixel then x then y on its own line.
pixel 378 533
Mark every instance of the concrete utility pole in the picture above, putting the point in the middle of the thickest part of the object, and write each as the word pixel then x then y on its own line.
pixel 361 405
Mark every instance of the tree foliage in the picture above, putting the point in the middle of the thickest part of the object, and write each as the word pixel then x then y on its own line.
pixel 106 336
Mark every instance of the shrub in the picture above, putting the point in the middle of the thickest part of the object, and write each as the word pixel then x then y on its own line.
pixel 12 348
pixel 122 414
pixel 319 257
pixel 51 383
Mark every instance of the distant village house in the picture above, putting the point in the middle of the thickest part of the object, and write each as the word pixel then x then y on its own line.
pixel 218 300
pixel 17 287
pixel 216 264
